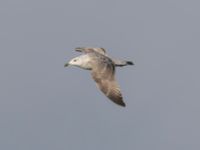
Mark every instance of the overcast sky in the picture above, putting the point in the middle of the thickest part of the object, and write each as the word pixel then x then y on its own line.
pixel 44 106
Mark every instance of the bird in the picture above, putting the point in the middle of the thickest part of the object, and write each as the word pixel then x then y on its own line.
pixel 102 68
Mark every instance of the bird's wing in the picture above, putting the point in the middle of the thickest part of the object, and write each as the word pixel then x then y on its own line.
pixel 88 50
pixel 103 73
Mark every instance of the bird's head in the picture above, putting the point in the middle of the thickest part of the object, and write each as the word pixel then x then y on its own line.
pixel 74 62
pixel 80 61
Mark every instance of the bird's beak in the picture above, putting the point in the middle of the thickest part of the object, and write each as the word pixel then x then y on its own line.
pixel 67 64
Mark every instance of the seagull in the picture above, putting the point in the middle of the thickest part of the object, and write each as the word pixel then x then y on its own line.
pixel 102 69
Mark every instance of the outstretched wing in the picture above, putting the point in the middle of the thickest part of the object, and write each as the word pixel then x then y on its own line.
pixel 103 73
pixel 89 49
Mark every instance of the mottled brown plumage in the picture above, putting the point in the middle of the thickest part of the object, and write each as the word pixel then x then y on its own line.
pixel 102 70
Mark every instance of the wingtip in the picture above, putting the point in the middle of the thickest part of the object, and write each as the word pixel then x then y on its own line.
pixel 122 104
pixel 79 49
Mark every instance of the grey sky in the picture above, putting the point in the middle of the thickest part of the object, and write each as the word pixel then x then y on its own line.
pixel 45 106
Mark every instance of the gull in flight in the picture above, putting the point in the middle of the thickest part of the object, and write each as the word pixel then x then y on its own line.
pixel 102 70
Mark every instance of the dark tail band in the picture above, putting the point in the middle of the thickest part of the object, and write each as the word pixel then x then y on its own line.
pixel 129 63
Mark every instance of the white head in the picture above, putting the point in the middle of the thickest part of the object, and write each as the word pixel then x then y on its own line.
pixel 80 61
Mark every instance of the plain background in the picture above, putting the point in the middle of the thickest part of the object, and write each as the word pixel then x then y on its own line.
pixel 44 106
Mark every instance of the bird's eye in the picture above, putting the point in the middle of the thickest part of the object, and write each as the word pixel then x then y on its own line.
pixel 74 60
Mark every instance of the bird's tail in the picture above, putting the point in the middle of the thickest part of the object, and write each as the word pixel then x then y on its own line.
pixel 129 63
pixel 121 63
